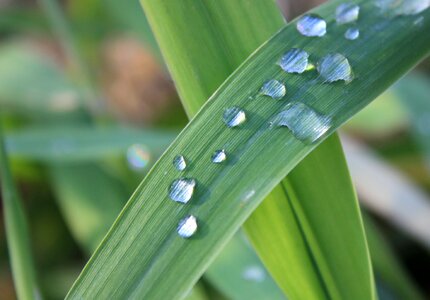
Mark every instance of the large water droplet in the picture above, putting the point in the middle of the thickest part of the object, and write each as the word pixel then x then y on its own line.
pixel 294 61
pixel 179 162
pixel 347 13
pixel 219 156
pixel 387 4
pixel 138 156
pixel 274 89
pixel 234 116
pixel 182 189
pixel 352 33
pixel 334 67
pixel 312 25
pixel 305 123
pixel 187 227
pixel 412 7
pixel 254 273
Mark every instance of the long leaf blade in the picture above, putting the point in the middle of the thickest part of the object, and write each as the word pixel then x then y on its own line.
pixel 147 224
pixel 17 234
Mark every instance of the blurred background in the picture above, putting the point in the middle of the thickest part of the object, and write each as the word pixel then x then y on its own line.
pixel 88 107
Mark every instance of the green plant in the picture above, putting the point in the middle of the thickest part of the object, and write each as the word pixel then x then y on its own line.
pixel 308 231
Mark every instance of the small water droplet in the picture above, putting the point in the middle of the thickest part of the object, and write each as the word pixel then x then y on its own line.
pixel 295 61
pixel 387 4
pixel 179 162
pixel 347 13
pixel 234 116
pixel 187 227
pixel 138 156
pixel 254 273
pixel 334 67
pixel 305 123
pixel 182 189
pixel 312 26
pixel 412 7
pixel 352 33
pixel 219 156
pixel 274 89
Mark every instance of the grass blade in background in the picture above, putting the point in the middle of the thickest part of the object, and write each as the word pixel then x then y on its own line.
pixel 387 269
pixel 239 274
pixel 197 72
pixel 17 234
pixel 414 91
pixel 230 192
pixel 83 143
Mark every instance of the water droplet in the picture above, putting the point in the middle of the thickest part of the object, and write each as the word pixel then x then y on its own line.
pixel 352 33
pixel 412 7
pixel 334 67
pixel 312 25
pixel 179 162
pixel 234 116
pixel 138 156
pixel 387 4
pixel 182 189
pixel 347 13
pixel 254 273
pixel 219 156
pixel 305 123
pixel 295 61
pixel 274 89
pixel 187 227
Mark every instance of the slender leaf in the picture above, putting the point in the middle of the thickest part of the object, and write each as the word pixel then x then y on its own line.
pixel 387 269
pixel 260 157
pixel 17 233
pixel 82 143
pixel 233 34
pixel 239 274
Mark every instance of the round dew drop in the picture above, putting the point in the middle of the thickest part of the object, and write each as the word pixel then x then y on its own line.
pixel 187 227
pixel 294 61
pixel 347 13
pixel 181 190
pixel 219 156
pixel 311 26
pixel 352 34
pixel 334 67
pixel 179 162
pixel 273 89
pixel 234 116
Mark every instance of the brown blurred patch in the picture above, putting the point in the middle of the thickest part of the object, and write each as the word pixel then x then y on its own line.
pixel 293 8
pixel 137 88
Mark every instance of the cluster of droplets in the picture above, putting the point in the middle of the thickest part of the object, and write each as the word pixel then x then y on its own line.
pixel 302 121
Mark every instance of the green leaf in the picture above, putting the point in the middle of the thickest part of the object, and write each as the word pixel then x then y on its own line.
pixel 197 73
pixel 239 274
pixel 386 265
pixel 259 159
pixel 89 199
pixel 18 238
pixel 46 91
pixel 83 143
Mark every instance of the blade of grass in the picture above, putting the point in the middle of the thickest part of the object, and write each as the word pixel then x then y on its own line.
pixel 227 194
pixel 17 234
pixel 83 143
pixel 239 274
pixel 185 59
pixel 386 266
